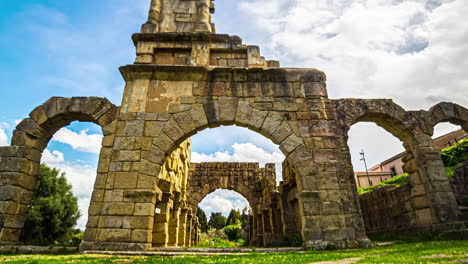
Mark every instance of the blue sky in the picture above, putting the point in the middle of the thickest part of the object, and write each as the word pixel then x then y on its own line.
pixel 413 51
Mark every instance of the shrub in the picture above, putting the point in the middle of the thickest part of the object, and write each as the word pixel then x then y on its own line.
pixel 396 181
pixel 292 240
pixel 233 232
pixel 456 154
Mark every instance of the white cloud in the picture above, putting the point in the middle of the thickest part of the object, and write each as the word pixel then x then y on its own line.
pixel 81 141
pixel 413 51
pixel 52 157
pixel 244 152
pixel 3 138
pixel 223 201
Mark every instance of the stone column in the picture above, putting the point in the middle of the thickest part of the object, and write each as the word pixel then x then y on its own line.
pixel 195 231
pixel 188 233
pixel 174 227
pixel 182 227
pixel 161 223
pixel 16 185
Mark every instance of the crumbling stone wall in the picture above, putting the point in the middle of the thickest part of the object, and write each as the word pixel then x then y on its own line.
pixel 388 209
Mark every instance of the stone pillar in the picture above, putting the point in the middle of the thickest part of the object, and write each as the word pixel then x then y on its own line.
pixel 188 233
pixel 432 197
pixel 161 223
pixel 17 164
pixel 323 190
pixel 194 231
pixel 174 227
pixel 182 227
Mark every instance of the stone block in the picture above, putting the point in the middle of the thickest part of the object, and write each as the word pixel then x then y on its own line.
pixel 138 222
pixel 153 128
pixel 272 121
pixel 198 116
pixel 227 109
pixel 185 122
pixel 256 119
pixel 141 235
pixel 113 235
pixel 134 128
pixel 111 221
pixel 144 209
pixel 120 208
pixel 173 130
pixel 212 113
pixel 146 182
pixel 126 180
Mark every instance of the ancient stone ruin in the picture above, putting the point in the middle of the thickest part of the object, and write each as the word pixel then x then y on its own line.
pixel 185 79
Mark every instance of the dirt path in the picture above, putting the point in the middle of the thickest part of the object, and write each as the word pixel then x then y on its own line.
pixel 341 261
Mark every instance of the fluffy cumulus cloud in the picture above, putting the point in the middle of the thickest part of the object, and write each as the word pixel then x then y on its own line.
pixel 223 201
pixel 80 141
pixel 413 51
pixel 80 176
pixel 243 152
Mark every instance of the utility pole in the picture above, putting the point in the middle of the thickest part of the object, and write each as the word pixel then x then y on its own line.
pixel 365 164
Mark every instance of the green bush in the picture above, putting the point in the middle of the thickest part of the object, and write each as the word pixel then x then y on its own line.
pixel 233 232
pixel 456 154
pixel 292 240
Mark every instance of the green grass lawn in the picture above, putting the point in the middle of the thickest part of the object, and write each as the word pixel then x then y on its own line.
pixel 422 252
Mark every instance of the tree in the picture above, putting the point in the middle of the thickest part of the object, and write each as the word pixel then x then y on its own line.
pixel 233 232
pixel 53 211
pixel 245 217
pixel 202 220
pixel 234 218
pixel 217 221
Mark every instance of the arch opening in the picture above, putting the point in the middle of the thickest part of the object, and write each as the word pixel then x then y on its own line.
pixel 244 162
pixel 74 151
pixel 418 200
pixel 21 160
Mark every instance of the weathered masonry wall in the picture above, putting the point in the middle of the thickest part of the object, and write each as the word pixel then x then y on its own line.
pixel 388 209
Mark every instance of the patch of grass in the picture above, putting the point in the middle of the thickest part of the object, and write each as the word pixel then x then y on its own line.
pixel 396 181
pixel 408 238
pixel 433 252
pixel 219 243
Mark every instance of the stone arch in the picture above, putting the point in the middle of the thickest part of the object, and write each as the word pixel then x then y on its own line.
pixel 448 112
pixel 239 180
pixel 432 200
pixel 20 161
